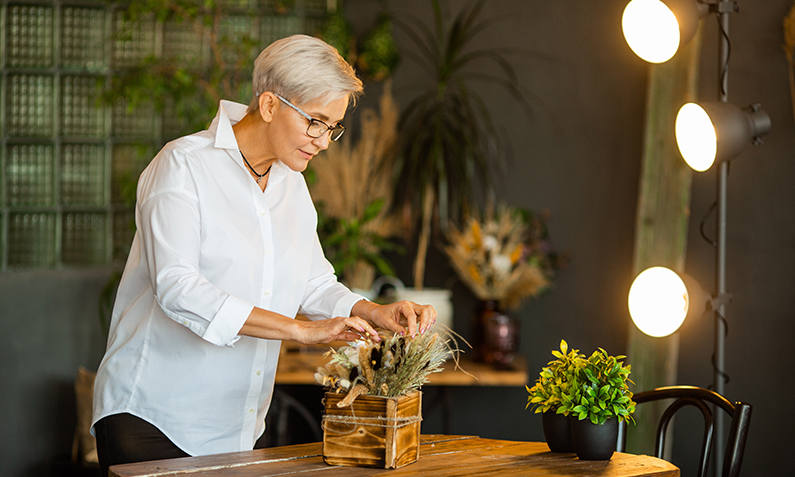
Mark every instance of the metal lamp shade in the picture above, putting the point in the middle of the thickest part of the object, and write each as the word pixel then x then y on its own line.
pixel 655 29
pixel 716 131
pixel 660 300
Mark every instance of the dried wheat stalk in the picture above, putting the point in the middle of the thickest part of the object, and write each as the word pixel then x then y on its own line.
pixel 352 175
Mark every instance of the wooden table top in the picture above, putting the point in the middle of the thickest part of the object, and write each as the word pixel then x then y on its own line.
pixel 298 366
pixel 439 455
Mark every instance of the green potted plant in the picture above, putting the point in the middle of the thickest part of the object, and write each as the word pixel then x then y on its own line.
pixel 551 396
pixel 598 403
pixel 583 401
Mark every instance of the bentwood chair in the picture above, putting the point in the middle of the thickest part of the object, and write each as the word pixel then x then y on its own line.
pixel 701 398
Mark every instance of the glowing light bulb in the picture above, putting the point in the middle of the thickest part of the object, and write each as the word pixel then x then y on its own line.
pixel 696 137
pixel 658 301
pixel 651 30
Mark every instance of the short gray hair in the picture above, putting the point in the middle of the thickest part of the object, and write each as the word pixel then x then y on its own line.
pixel 304 69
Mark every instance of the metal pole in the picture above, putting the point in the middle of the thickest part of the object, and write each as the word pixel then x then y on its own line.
pixel 720 279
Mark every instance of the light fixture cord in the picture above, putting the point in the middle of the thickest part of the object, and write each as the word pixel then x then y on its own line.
pixel 708 213
pixel 723 375
pixel 725 67
pixel 703 224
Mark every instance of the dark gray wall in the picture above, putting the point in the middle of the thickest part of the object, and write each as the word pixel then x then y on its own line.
pixel 49 326
pixel 761 239
pixel 578 157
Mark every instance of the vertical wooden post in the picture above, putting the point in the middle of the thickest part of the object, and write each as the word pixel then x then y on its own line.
pixel 662 224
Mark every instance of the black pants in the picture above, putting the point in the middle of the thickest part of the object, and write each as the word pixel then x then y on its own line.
pixel 124 438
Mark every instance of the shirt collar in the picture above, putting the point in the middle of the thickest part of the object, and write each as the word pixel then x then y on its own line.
pixel 229 113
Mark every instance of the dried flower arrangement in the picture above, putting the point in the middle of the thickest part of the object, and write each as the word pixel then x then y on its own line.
pixel 353 191
pixel 505 256
pixel 395 366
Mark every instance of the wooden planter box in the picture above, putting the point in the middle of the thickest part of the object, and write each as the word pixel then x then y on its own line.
pixel 373 432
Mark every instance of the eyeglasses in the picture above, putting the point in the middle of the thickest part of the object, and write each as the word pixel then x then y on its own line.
pixel 317 127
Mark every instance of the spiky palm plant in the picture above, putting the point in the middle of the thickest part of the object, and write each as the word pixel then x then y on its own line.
pixel 446 134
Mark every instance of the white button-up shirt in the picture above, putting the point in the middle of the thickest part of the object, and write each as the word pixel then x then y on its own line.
pixel 210 246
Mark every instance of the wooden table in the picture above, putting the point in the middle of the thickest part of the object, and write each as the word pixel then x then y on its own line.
pixel 439 456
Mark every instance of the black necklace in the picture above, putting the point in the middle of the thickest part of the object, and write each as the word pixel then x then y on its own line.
pixel 259 176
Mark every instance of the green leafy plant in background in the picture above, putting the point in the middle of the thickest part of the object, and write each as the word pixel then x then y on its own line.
pixel 446 133
pixel 556 382
pixel 593 388
pixel 374 55
pixel 604 392
pixel 348 242
pixel 193 86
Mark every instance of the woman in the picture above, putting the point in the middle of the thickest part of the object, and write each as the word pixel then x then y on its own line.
pixel 224 257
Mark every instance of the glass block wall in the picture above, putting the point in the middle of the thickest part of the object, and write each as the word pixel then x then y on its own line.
pixel 66 162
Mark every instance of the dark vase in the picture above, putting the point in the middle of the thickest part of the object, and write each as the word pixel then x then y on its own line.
pixel 557 431
pixel 497 335
pixel 594 441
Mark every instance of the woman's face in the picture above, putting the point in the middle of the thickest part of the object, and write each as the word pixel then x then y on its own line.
pixel 291 144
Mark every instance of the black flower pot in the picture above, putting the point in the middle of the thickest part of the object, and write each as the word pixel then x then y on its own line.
pixel 594 441
pixel 557 432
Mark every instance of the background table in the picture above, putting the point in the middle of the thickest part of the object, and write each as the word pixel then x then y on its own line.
pixel 439 456
pixel 297 365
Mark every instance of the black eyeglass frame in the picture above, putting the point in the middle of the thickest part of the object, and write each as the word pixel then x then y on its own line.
pixel 335 132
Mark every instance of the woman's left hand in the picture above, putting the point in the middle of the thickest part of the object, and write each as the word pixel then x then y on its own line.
pixel 401 317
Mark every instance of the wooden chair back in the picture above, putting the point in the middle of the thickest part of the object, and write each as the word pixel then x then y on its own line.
pixel 701 398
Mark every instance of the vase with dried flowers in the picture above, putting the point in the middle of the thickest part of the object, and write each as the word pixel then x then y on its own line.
pixel 503 256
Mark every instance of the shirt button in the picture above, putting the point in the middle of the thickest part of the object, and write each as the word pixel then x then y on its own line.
pixel 251 411
pixel 269 252
pixel 266 293
pixel 258 372
pixel 263 213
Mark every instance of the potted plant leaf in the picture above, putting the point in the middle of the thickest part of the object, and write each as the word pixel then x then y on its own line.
pixel 550 396
pixel 446 133
pixel 598 404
